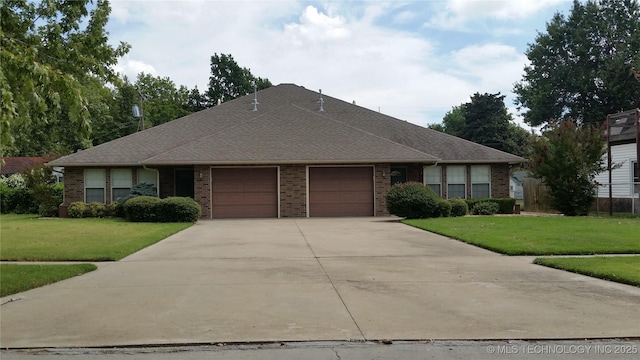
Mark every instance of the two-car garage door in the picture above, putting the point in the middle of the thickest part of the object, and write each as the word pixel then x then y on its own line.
pixel 253 192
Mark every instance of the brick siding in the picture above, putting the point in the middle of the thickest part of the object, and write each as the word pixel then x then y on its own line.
pixel 293 191
pixel 202 189
pixel 73 185
pixel 382 184
pixel 500 180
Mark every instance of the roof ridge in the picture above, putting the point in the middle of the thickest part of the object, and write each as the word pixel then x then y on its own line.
pixel 366 132
pixel 213 134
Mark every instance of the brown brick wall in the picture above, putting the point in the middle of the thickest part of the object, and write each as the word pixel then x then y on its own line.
pixel 202 189
pixel 382 184
pixel 73 185
pixel 293 191
pixel 500 180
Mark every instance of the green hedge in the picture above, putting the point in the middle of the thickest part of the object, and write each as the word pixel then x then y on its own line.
pixel 459 207
pixel 178 209
pixel 153 209
pixel 505 205
pixel 412 200
pixel 485 208
pixel 141 209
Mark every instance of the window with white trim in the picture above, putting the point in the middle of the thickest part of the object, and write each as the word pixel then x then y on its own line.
pixel 120 183
pixel 149 177
pixel 456 182
pixel 480 181
pixel 433 178
pixel 94 185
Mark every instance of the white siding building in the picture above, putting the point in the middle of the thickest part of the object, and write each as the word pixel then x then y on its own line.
pixel 622 178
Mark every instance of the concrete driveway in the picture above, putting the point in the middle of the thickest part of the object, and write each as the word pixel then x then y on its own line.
pixel 315 279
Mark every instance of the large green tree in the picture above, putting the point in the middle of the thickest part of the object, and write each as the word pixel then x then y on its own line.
pixel 452 122
pixel 567 158
pixel 162 100
pixel 228 80
pixel 582 67
pixel 487 122
pixel 50 54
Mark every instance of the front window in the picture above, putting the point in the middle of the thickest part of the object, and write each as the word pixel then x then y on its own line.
pixel 94 185
pixel 433 178
pixel 480 181
pixel 456 182
pixel 120 183
pixel 148 176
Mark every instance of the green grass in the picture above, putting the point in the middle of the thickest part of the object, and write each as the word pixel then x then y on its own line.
pixel 17 278
pixel 525 235
pixel 28 238
pixel 623 269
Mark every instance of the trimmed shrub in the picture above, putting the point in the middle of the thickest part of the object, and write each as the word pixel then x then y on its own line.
pixel 444 208
pixel 505 205
pixel 485 208
pixel 459 207
pixel 178 209
pixel 141 209
pixel 95 209
pixel 77 209
pixel 412 200
pixel 142 189
pixel 111 210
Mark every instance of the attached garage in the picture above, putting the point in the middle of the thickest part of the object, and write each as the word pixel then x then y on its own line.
pixel 341 191
pixel 244 192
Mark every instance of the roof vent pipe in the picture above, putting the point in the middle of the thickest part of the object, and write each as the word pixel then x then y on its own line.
pixel 255 96
pixel 321 101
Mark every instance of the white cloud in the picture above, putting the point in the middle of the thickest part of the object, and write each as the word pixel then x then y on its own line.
pixel 343 48
pixel 131 68
pixel 457 14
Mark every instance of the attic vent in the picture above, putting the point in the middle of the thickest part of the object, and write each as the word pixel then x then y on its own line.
pixel 255 96
pixel 321 101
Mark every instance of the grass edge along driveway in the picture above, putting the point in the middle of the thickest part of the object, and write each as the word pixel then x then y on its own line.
pixel 513 235
pixel 29 238
pixel 15 278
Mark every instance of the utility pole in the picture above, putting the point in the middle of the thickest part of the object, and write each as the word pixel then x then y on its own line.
pixel 138 111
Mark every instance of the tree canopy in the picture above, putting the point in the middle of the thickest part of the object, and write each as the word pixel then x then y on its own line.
pixel 583 66
pixel 567 158
pixel 228 80
pixel 485 120
pixel 51 55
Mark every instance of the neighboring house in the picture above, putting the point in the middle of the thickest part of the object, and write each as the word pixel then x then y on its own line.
pixel 624 179
pixel 515 184
pixel 296 153
pixel 17 164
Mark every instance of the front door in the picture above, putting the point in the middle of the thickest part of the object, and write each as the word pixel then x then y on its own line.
pixel 184 183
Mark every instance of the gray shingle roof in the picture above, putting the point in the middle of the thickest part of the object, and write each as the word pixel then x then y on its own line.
pixel 287 128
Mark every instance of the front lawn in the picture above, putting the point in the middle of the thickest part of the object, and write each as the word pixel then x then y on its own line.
pixel 29 238
pixel 623 269
pixel 525 235
pixel 17 278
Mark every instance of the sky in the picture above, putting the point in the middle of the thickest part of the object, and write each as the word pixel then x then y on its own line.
pixel 413 60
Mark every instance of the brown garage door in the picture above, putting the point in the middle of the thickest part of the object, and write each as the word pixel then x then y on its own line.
pixel 340 191
pixel 244 192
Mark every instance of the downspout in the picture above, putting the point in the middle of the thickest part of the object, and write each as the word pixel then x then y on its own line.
pixel 157 178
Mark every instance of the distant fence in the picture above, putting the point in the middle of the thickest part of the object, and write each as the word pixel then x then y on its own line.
pixel 535 198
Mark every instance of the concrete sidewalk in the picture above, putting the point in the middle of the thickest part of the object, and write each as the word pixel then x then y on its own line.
pixel 315 279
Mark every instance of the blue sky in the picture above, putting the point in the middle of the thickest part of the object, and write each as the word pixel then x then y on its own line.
pixel 414 60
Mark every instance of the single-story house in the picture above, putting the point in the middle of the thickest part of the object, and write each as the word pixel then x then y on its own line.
pixel 18 164
pixel 625 183
pixel 286 152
